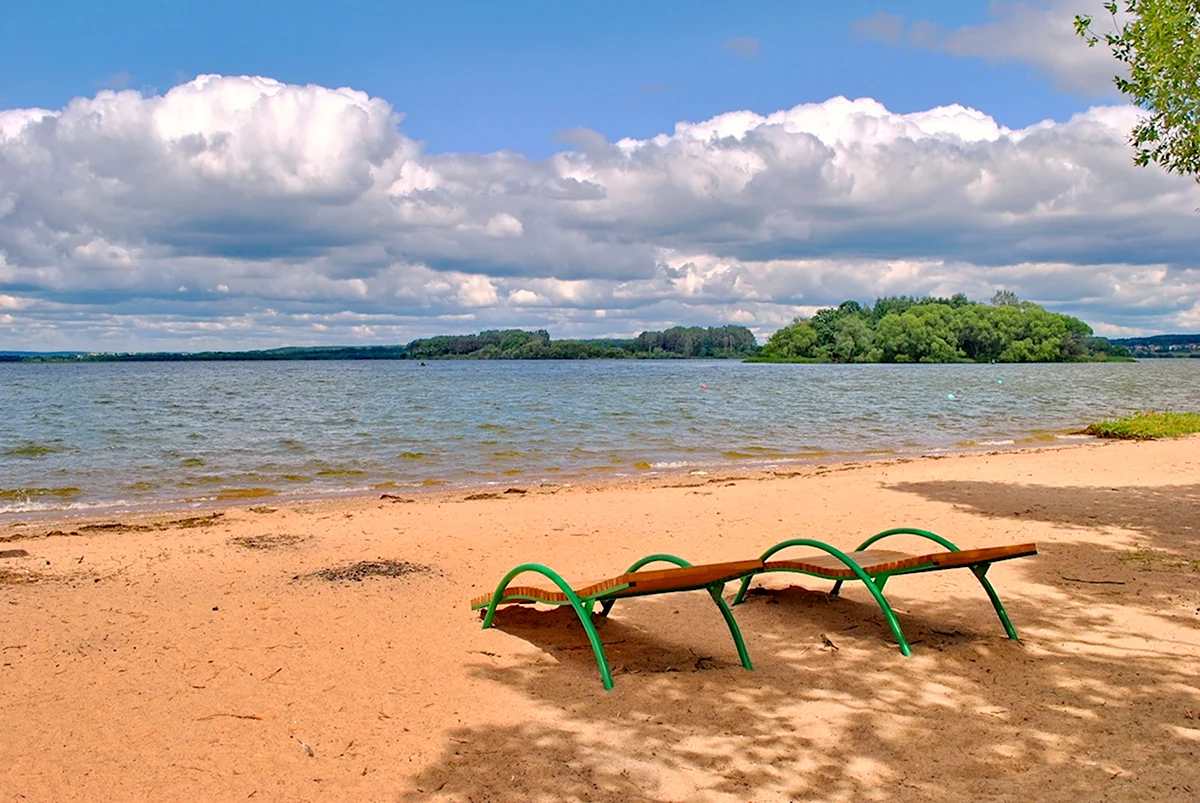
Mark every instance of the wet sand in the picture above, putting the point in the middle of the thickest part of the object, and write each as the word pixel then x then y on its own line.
pixel 196 656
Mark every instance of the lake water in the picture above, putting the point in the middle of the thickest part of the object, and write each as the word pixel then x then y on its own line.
pixel 128 435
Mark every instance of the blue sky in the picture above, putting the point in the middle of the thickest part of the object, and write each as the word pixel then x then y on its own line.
pixel 592 169
pixel 488 76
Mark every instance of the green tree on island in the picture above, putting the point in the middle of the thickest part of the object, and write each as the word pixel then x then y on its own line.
pixel 1159 42
pixel 906 329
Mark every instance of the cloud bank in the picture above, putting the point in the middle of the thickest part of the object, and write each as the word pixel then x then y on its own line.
pixel 241 212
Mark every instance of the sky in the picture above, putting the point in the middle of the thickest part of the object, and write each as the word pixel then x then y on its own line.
pixel 249 175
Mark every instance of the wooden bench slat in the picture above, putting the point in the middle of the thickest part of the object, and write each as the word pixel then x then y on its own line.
pixel 676 578
pixel 881 561
pixel 682 578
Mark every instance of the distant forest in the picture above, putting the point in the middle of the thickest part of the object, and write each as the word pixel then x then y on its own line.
pixel 895 329
pixel 720 342
pixel 899 329
pixel 691 342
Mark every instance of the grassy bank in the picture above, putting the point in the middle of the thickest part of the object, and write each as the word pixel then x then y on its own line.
pixel 1147 426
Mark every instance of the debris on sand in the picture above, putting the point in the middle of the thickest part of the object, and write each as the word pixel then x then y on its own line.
pixel 368 568
pixel 187 523
pixel 267 541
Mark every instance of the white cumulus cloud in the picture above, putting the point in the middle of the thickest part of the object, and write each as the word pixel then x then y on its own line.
pixel 301 212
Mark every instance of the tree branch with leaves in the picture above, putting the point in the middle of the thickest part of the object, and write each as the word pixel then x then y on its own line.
pixel 1159 41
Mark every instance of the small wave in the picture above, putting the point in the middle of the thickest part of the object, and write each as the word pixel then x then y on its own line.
pixel 46 507
pixel 192 462
pixel 29 450
pixel 28 494
pixel 223 479
pixel 341 472
pixel 757 451
pixel 413 455
pixel 244 493
pixel 1073 436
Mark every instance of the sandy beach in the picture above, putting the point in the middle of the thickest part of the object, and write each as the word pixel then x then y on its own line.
pixel 200 655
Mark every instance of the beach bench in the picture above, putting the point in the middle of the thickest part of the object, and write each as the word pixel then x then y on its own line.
pixel 875 566
pixel 635 582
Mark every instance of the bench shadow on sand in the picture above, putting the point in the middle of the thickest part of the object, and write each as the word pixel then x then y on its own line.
pixel 1073 713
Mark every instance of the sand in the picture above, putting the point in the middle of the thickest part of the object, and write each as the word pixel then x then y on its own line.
pixel 174 659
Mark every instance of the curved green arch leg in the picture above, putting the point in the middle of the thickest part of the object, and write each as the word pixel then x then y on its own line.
pixel 741 592
pixel 663 558
pixel 576 603
pixel 979 570
pixel 607 604
pixel 837 587
pixel 980 573
pixel 715 592
pixel 908 531
pixel 880 600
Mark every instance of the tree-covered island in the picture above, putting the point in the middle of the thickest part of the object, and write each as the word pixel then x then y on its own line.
pixel 902 329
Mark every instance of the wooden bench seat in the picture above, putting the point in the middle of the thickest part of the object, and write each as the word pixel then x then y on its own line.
pixel 875 566
pixel 633 583
pixel 630 584
pixel 871 566
pixel 883 561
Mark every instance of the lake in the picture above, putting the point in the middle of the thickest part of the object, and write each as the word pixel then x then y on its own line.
pixel 132 435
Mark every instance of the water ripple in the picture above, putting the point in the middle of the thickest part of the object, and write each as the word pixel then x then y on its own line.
pixel 154 433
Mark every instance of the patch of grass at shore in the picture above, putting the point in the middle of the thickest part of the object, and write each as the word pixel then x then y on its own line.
pixel 1147 426
pixel 1149 558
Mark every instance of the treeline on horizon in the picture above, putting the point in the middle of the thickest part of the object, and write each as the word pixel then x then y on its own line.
pixel 906 329
pixel 895 329
pixel 679 342
pixel 712 342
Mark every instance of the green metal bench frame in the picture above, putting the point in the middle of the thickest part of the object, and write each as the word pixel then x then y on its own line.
pixel 584 605
pixel 875 581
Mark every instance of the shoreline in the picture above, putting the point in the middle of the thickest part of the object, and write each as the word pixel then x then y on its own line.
pixel 657 478
pixel 1044 439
